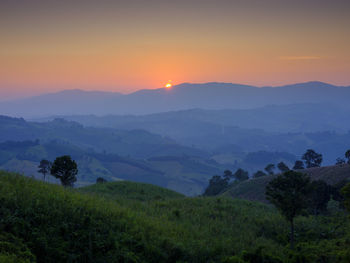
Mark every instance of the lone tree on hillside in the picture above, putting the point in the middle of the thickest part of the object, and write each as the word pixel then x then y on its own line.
pixel 44 167
pixel 298 165
pixel 312 158
pixel 65 169
pixel 347 156
pixel 269 168
pixel 288 193
pixel 216 185
pixel 283 167
pixel 241 175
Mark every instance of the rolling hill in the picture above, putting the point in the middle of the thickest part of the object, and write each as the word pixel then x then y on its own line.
pixel 41 222
pixel 180 97
pixel 254 189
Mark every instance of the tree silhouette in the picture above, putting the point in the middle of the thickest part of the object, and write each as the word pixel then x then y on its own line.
pixel 345 192
pixel 241 175
pixel 228 175
pixel 347 156
pixel 312 158
pixel 269 168
pixel 259 174
pixel 44 167
pixel 65 169
pixel 320 195
pixel 298 165
pixel 216 185
pixel 339 161
pixel 282 167
pixel 289 192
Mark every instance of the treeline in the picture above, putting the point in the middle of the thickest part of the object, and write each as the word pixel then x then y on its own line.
pixel 310 159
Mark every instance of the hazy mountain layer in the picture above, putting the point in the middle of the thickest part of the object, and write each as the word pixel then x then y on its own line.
pixel 180 97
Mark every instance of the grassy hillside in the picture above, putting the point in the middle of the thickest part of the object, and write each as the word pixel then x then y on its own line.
pixel 254 189
pixel 47 223
pixel 131 191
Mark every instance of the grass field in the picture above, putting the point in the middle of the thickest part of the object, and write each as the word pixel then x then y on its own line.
pixel 131 222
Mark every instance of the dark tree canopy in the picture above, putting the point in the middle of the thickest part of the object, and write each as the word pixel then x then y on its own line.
pixel 298 165
pixel 340 161
pixel 259 174
pixel 345 192
pixel 228 175
pixel 241 175
pixel 269 168
pixel 320 194
pixel 216 185
pixel 65 169
pixel 44 167
pixel 312 158
pixel 282 167
pixel 289 193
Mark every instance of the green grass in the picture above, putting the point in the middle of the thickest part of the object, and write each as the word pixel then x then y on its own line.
pixel 122 190
pixel 127 222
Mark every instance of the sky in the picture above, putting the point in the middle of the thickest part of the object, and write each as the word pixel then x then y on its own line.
pixel 47 45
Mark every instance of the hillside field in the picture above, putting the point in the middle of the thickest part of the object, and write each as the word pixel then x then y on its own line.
pixel 131 222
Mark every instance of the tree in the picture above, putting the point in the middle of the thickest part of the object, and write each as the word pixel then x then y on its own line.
pixel 241 175
pixel 269 168
pixel 100 180
pixel 340 161
pixel 228 175
pixel 298 165
pixel 289 192
pixel 282 167
pixel 320 194
pixel 216 185
pixel 44 167
pixel 312 158
pixel 345 192
pixel 65 169
pixel 347 156
pixel 259 174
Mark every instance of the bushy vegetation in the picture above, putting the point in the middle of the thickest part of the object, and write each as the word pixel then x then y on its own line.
pixel 40 222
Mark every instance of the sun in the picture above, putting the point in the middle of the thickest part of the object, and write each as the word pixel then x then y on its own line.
pixel 168 85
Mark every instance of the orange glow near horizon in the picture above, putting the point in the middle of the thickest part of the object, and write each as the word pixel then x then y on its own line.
pixel 123 46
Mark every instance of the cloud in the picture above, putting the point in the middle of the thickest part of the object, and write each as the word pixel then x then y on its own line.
pixel 299 57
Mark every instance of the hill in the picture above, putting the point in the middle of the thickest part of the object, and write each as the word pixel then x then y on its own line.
pixel 180 97
pixel 41 222
pixel 254 189
pixel 186 174
pixel 135 143
pixel 306 117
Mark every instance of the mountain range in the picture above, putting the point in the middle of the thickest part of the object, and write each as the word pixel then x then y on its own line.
pixel 180 97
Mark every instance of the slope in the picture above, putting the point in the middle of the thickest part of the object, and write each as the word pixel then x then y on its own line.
pixel 254 189
pixel 53 224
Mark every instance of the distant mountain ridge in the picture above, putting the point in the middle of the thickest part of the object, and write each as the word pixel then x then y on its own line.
pixel 185 96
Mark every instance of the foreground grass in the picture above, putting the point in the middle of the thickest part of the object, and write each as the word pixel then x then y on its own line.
pixel 45 223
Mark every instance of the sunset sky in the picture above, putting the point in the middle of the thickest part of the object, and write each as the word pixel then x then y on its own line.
pixel 124 46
